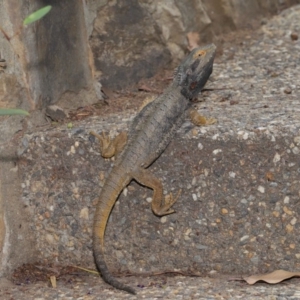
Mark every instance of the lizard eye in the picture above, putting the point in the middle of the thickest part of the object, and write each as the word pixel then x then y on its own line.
pixel 201 53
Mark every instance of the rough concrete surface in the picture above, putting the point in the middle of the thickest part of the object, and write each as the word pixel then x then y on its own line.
pixel 239 208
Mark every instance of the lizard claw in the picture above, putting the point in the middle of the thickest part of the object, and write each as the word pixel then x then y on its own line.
pixel 168 203
pixel 104 139
pixel 210 121
pixel 200 120
pixel 107 148
pixel 105 144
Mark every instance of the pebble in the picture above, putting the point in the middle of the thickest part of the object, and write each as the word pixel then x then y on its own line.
pixel 84 213
pixel 200 146
pixel 287 211
pixel 224 211
pixel 217 151
pixel 261 189
pixel 276 158
pixel 163 219
pixel 289 228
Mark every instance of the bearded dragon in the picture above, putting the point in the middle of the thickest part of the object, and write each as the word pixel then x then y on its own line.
pixel 150 133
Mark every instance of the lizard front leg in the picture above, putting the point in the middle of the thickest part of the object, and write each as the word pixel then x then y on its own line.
pixel 108 147
pixel 160 205
pixel 199 120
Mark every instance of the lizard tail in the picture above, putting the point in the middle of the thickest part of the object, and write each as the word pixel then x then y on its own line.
pixel 109 194
pixel 107 277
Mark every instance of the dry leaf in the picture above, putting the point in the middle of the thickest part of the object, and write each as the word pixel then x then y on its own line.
pixel 193 40
pixel 148 89
pixel 274 277
pixel 87 270
pixel 53 281
pixel 108 92
pixel 145 88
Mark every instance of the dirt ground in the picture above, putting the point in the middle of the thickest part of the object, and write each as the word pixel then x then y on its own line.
pixel 33 282
pixel 147 89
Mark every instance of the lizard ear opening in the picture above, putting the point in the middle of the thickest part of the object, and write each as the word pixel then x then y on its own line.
pixel 175 72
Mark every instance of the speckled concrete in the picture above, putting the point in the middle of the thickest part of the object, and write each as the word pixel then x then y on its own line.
pixel 239 208
pixel 157 287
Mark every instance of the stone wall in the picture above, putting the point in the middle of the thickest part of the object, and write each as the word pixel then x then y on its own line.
pixel 132 40
pixel 50 61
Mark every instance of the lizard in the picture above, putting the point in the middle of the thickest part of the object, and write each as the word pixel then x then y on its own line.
pixel 151 131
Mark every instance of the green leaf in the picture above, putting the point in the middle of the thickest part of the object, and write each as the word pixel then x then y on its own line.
pixel 12 111
pixel 37 15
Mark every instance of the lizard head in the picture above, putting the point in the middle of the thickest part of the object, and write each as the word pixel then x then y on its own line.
pixel 195 69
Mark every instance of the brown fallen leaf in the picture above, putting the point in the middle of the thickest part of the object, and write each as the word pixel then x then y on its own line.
pixel 108 92
pixel 274 277
pixel 145 88
pixel 148 89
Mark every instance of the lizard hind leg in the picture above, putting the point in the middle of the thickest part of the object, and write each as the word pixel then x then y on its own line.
pixel 160 205
pixel 108 147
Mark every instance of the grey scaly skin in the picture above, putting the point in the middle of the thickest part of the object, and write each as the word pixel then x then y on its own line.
pixel 151 131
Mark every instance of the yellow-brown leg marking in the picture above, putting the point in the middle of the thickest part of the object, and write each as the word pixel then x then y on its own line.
pixel 160 206
pixel 199 120
pixel 109 148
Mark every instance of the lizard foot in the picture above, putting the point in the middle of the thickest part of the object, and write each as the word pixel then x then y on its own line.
pixel 169 201
pixel 199 120
pixel 108 147
pixel 160 205
pixel 105 144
